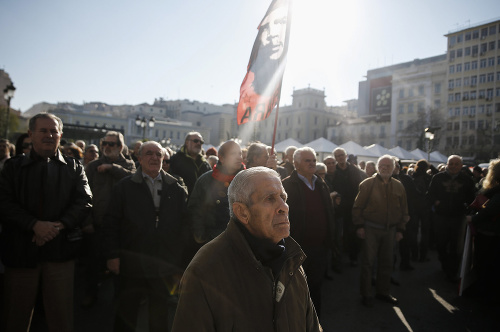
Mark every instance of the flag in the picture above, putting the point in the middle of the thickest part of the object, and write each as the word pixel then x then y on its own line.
pixel 261 88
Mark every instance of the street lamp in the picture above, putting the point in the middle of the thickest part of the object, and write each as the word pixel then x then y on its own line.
pixel 429 134
pixel 142 123
pixel 8 94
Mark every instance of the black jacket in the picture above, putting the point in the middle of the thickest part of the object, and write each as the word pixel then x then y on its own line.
pixel 146 248
pixel 33 189
pixel 187 168
pixel 454 194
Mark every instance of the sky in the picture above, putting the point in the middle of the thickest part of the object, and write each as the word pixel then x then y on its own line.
pixel 131 52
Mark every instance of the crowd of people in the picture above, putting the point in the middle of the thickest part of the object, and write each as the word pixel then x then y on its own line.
pixel 230 233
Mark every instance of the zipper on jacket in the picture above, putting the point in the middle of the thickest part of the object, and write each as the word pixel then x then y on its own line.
pixel 157 219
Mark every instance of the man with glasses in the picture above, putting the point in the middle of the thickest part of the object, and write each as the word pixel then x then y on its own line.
pixel 103 174
pixel 189 163
pixel 145 240
pixel 380 213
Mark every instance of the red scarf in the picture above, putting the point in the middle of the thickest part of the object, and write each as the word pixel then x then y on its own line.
pixel 219 175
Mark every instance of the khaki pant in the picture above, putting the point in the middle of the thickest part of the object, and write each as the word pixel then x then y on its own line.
pixel 377 245
pixel 56 280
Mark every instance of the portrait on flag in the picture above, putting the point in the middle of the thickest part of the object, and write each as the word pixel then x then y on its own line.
pixel 261 87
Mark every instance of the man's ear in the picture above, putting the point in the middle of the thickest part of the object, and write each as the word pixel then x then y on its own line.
pixel 241 212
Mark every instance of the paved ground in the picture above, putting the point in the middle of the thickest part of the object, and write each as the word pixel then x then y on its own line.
pixel 427 303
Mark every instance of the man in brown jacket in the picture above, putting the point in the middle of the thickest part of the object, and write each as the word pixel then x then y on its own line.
pixel 250 277
pixel 380 213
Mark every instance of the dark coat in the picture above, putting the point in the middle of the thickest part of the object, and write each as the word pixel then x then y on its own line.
pixel 454 194
pixel 102 183
pixel 32 189
pixel 487 218
pixel 297 202
pixel 131 232
pixel 187 168
pixel 225 288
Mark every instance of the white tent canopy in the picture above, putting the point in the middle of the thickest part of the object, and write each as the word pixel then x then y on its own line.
pixel 439 157
pixel 402 153
pixel 419 154
pixel 281 146
pixel 378 150
pixel 323 147
pixel 358 151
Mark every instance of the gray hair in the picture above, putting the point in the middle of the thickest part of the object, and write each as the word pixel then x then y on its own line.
pixel 242 187
pixel 91 146
pixel 453 156
pixel 254 151
pixel 297 155
pixel 386 156
pixel 291 147
pixel 32 123
pixel 151 143
pixel 191 133
pixel 320 166
pixel 339 149
pixel 118 135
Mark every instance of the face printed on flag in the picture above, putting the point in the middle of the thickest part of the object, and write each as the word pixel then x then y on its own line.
pixel 261 87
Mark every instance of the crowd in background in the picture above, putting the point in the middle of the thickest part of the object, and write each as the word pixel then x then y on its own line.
pixel 441 201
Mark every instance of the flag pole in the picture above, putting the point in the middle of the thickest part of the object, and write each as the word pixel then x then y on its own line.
pixel 276 122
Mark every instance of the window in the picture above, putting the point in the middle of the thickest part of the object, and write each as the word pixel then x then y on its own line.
pixel 472 125
pixel 460 38
pixel 453 40
pixel 421 90
pixel 473 65
pixel 482 94
pixel 489 93
pixel 450 98
pixel 468 36
pixel 491 62
pixel 484 32
pixel 437 103
pixel 491 45
pixel 448 140
pixel 452 69
pixel 400 125
pixel 467 66
pixel 466 96
pixel 402 93
pixel 458 96
pixel 464 125
pixel 452 55
pixel 493 30
pixel 460 53
pixel 401 109
pixel 498 58
pixel 471 140
pixel 473 95
pixel 459 68
pixel 483 63
pixel 457 111
pixel 451 84
pixel 410 92
pixel 458 82
pixel 480 124
pixel 475 34
pixel 455 140
pixel 410 108
pixel 480 109
pixel 449 126
pixel 473 80
pixel 472 111
pixel 491 77
pixel 437 86
pixel 465 111
pixel 467 51
pixel 420 107
pixel 456 125
pixel 450 112
pixel 484 47
pixel 482 78
pixel 498 92
pixel 466 81
pixel 498 75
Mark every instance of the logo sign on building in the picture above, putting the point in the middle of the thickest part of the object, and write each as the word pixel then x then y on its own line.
pixel 381 95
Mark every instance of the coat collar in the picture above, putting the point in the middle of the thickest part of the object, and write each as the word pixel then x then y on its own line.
pixel 165 177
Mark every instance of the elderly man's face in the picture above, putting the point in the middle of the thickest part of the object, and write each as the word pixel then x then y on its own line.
pixel 306 166
pixel 232 158
pixel 385 167
pixel 193 144
pixel 330 165
pixel 111 147
pixel 340 157
pixel 151 159
pixel 370 169
pixel 268 210
pixel 454 165
pixel 45 137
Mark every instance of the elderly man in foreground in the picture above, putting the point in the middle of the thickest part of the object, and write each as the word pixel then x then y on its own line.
pixel 380 213
pixel 250 278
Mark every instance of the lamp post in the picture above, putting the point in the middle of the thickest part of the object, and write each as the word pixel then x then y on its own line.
pixel 8 94
pixel 429 134
pixel 143 123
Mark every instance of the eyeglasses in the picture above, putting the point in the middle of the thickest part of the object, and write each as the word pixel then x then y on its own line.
pixel 111 144
pixel 196 141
